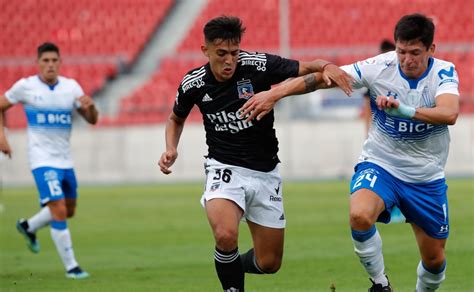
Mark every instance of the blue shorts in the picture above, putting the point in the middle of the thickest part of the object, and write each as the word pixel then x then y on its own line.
pixel 424 204
pixel 55 183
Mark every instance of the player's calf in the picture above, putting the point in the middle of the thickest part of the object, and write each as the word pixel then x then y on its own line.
pixel 368 246
pixel 429 279
pixel 229 269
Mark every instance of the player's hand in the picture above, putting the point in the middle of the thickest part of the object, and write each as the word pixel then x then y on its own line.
pixel 86 102
pixel 5 147
pixel 333 73
pixel 386 102
pixel 257 106
pixel 167 159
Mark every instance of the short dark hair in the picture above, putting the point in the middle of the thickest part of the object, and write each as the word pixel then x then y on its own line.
pixel 47 47
pixel 227 28
pixel 386 46
pixel 415 27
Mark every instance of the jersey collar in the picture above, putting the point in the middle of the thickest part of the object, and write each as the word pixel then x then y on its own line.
pixel 414 82
pixel 51 86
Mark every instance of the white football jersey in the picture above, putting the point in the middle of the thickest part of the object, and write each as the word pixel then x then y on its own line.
pixel 411 150
pixel 48 109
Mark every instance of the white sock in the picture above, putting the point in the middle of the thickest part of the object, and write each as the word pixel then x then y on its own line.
pixel 63 242
pixel 370 255
pixel 40 219
pixel 428 281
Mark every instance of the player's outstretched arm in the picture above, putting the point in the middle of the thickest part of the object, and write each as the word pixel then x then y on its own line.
pixel 88 110
pixel 263 102
pixel 174 128
pixel 331 74
pixel 4 146
pixel 445 112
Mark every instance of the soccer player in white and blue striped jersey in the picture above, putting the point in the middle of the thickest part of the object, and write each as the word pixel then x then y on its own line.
pixel 414 97
pixel 49 100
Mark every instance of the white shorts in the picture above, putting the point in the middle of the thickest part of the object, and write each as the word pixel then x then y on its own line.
pixel 257 193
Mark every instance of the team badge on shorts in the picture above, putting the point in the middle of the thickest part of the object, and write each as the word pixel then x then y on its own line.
pixel 214 187
pixel 245 89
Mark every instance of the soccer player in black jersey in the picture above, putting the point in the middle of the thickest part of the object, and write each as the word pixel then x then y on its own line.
pixel 242 173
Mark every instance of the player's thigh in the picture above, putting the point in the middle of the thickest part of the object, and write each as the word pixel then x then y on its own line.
pixel 268 242
pixel 372 193
pixel 264 199
pixel 58 209
pixel 69 184
pixel 223 181
pixel 223 213
pixel 71 207
pixel 224 217
pixel 49 183
pixel 426 205
pixel 431 249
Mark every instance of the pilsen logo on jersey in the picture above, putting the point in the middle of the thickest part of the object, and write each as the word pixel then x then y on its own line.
pixel 245 89
pixel 229 121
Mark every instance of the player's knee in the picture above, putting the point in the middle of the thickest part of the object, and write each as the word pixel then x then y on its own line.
pixel 434 262
pixel 226 239
pixel 360 220
pixel 270 264
pixel 70 212
pixel 58 211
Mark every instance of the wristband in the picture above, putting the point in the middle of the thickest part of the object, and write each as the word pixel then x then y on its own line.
pixel 403 111
pixel 407 111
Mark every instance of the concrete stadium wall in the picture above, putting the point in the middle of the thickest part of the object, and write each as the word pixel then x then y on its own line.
pixel 308 150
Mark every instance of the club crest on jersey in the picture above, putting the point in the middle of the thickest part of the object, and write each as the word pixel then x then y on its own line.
pixel 214 187
pixel 245 89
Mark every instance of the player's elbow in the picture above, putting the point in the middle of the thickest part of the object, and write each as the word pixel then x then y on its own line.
pixel 173 118
pixel 452 118
pixel 94 121
pixel 94 118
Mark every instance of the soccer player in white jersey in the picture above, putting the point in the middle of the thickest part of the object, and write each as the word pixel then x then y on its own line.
pixel 414 98
pixel 49 100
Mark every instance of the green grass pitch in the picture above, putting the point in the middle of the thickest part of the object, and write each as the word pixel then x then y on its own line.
pixel 156 238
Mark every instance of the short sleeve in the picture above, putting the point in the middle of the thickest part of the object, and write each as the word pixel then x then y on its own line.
pixel 356 73
pixel 280 69
pixel 77 89
pixel 448 80
pixel 183 103
pixel 16 94
pixel 76 93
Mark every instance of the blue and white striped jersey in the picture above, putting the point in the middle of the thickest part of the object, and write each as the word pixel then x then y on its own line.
pixel 411 150
pixel 48 110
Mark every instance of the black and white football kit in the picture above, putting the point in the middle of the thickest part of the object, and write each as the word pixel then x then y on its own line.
pixel 242 156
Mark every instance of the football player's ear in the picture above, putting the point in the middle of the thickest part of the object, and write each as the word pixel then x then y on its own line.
pixel 204 50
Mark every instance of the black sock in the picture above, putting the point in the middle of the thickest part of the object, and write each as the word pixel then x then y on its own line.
pixel 229 269
pixel 249 263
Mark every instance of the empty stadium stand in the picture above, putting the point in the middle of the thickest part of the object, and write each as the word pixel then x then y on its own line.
pixel 332 28
pixel 333 25
pixel 95 38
